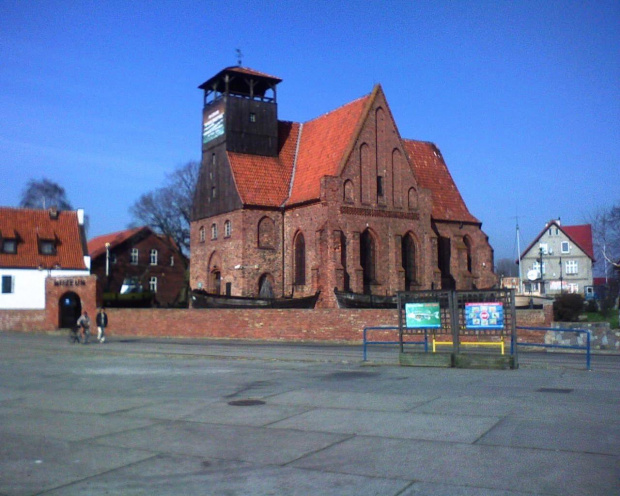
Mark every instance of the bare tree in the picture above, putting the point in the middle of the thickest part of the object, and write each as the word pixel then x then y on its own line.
pixel 506 267
pixel 606 233
pixel 44 194
pixel 168 209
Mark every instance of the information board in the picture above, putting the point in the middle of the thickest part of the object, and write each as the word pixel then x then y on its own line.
pixel 423 315
pixel 484 315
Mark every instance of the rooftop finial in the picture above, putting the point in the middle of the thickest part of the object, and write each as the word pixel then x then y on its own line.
pixel 239 56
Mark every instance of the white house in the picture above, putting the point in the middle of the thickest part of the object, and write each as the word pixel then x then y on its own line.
pixel 559 260
pixel 36 245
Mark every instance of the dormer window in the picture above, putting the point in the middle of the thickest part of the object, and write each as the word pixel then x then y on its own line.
pixel 47 247
pixel 9 245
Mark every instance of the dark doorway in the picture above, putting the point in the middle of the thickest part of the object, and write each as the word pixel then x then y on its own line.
pixel 443 257
pixel 408 260
pixel 265 286
pixel 70 309
pixel 368 260
pixel 217 282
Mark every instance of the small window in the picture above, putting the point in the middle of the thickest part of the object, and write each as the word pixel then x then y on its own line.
pixel 153 256
pixel 213 192
pixel 213 231
pixel 171 260
pixel 227 229
pixel 572 267
pixel 113 258
pixel 47 247
pixel 9 246
pixel 134 256
pixel 544 247
pixel 565 247
pixel 202 234
pixel 252 117
pixel 153 284
pixel 7 284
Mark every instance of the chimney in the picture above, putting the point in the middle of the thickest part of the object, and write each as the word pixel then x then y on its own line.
pixel 53 212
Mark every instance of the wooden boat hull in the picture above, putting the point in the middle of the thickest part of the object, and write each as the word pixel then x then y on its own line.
pixel 201 299
pixel 357 300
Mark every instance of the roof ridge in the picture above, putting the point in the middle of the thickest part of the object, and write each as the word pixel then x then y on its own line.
pixel 337 109
pixel 292 180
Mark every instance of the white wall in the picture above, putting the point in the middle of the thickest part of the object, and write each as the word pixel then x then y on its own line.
pixel 29 287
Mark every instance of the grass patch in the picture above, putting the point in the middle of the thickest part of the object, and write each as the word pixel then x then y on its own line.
pixel 597 317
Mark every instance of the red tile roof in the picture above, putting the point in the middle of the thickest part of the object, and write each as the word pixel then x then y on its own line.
pixel 580 235
pixel 96 246
pixel 432 173
pixel 265 180
pixel 322 148
pixel 29 226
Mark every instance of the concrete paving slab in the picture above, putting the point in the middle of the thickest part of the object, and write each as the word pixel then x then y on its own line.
pixel 337 399
pixel 560 433
pixel 391 424
pixel 61 425
pixel 468 405
pixel 77 402
pixel 165 475
pixel 542 472
pixel 251 444
pixel 428 489
pixel 257 415
pixel 32 464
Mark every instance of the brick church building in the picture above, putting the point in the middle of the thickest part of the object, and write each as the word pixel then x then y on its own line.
pixel 340 202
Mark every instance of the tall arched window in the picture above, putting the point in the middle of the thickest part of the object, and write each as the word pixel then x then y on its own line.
pixel 349 194
pixel 266 233
pixel 300 260
pixel 368 259
pixel 408 260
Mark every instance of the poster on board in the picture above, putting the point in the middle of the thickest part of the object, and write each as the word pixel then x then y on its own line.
pixel 423 315
pixel 484 315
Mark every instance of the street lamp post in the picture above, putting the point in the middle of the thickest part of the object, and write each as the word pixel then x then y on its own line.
pixel 542 278
pixel 107 266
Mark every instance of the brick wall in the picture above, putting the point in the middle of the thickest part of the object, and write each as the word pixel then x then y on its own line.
pixel 328 324
pixel 23 320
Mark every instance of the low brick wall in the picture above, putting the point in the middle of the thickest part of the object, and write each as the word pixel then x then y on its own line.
pixel 23 320
pixel 340 325
pixel 333 324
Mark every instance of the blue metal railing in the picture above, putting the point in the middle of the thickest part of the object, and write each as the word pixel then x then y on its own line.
pixel 564 346
pixel 388 328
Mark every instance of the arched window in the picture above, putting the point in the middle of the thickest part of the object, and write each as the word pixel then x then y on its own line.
pixel 300 260
pixel 227 229
pixel 266 233
pixel 201 234
pixel 349 194
pixel 368 258
pixel 408 260
pixel 213 231
pixel 412 199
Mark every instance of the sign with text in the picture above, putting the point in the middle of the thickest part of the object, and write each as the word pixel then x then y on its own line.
pixel 213 126
pixel 423 315
pixel 484 315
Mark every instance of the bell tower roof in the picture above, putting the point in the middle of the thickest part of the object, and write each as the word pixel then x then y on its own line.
pixel 241 81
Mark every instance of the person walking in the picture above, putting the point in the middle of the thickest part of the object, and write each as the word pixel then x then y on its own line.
pixel 84 324
pixel 102 323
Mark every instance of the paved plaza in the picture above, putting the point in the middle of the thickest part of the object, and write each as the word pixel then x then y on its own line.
pixel 190 417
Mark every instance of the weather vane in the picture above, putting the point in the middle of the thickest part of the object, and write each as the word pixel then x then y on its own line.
pixel 239 56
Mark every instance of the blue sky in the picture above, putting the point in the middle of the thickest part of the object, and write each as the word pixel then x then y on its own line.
pixel 522 98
